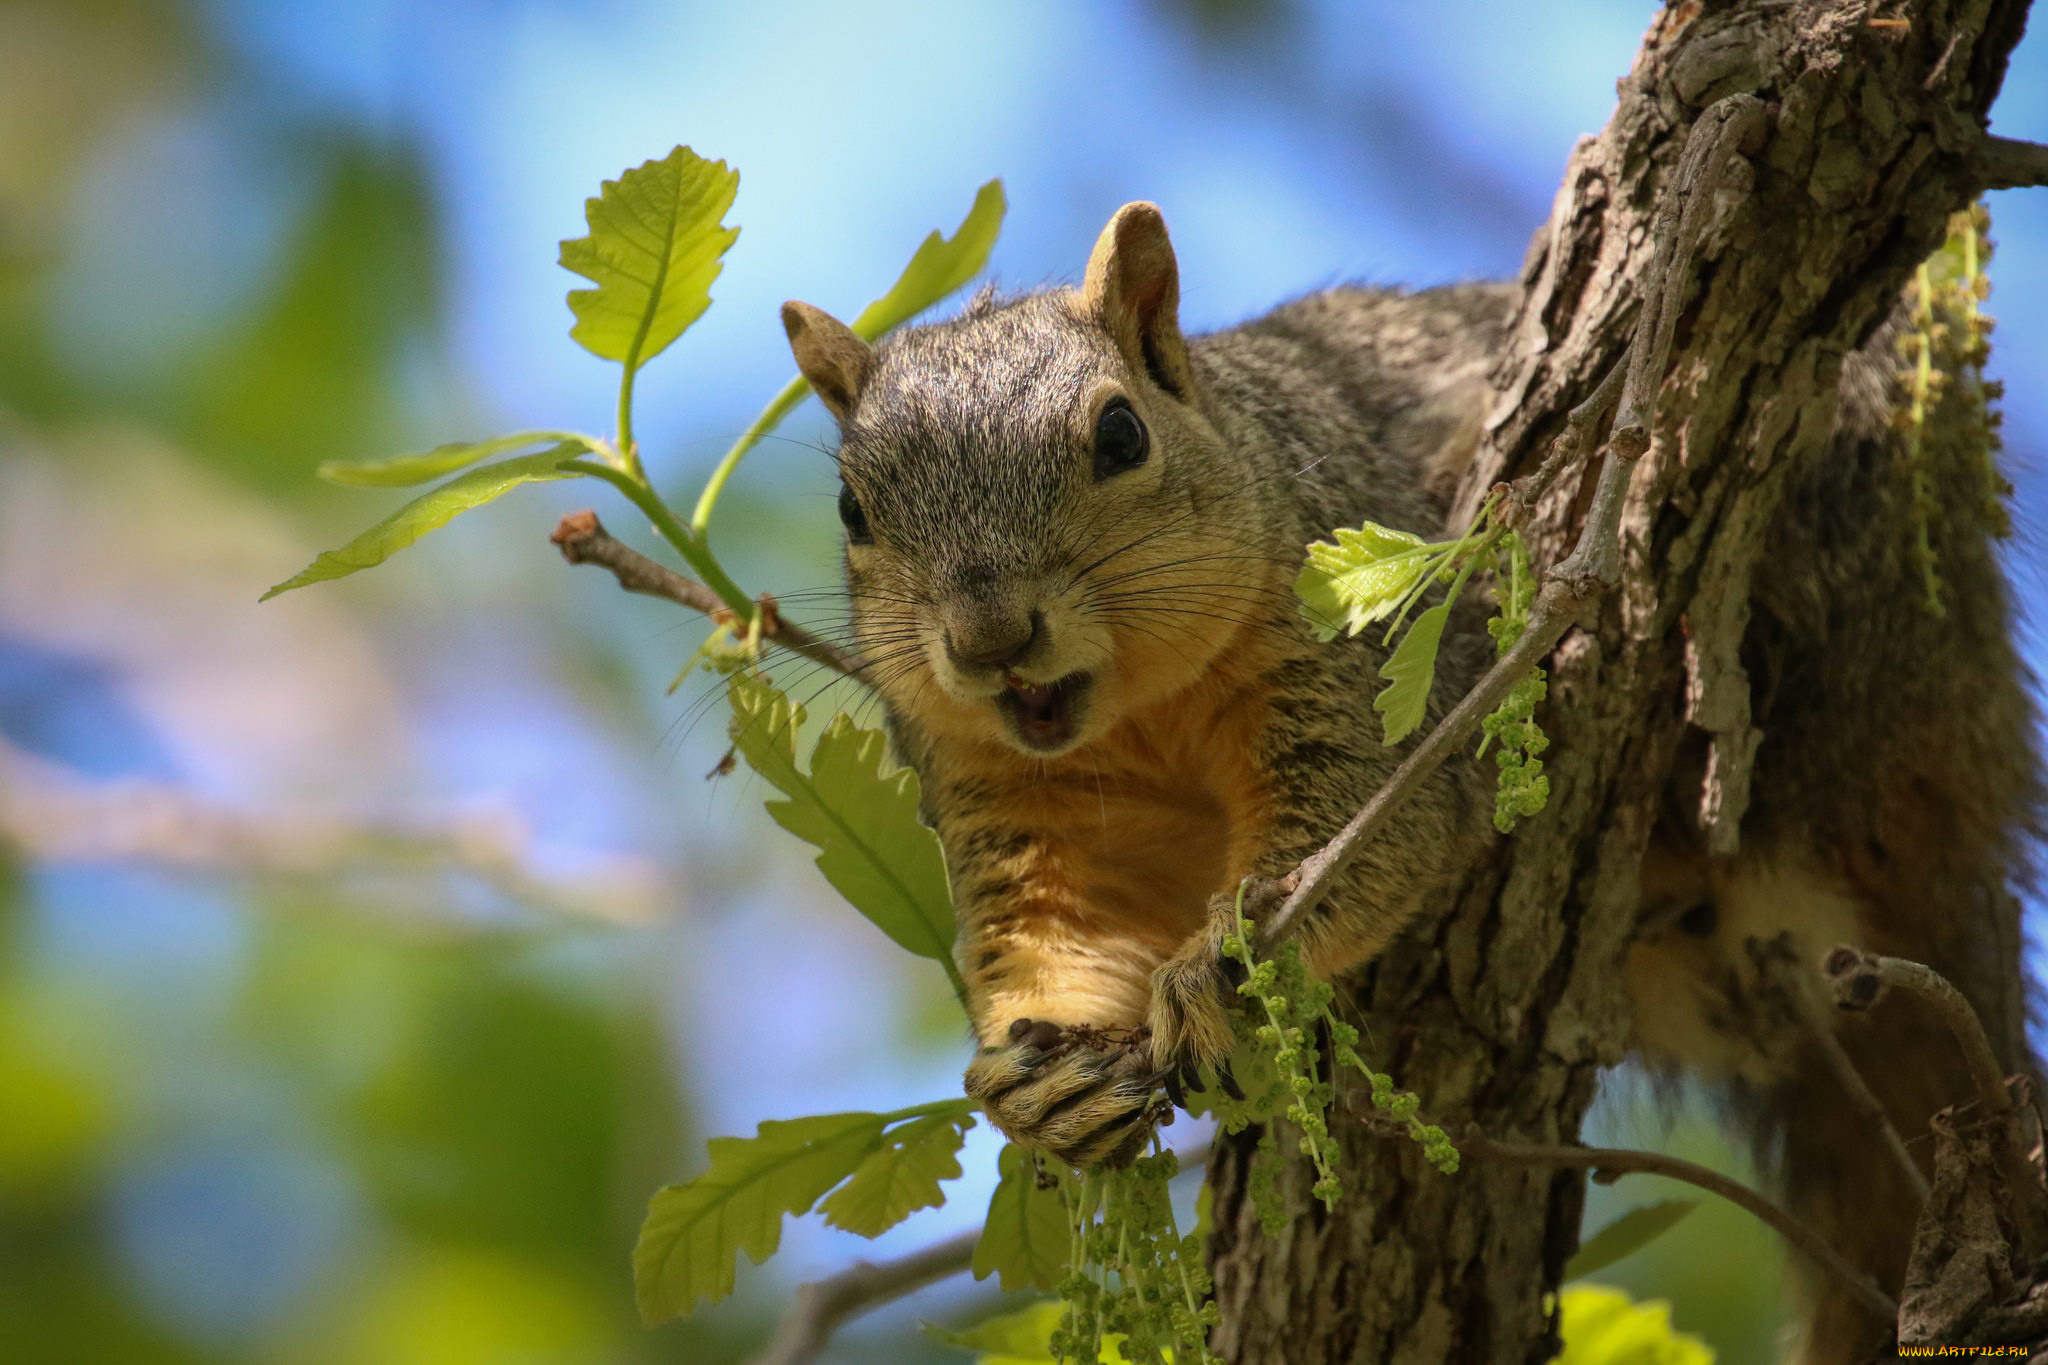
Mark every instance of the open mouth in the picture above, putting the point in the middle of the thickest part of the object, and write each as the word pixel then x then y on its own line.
pixel 1042 714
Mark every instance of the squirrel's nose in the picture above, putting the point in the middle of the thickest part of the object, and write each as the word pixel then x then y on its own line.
pixel 993 642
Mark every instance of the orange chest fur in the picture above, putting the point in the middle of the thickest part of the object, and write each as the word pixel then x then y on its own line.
pixel 1135 832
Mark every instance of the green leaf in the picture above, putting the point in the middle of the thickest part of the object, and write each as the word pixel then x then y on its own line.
pixel 430 512
pixel 1020 1338
pixel 653 250
pixel 1603 1327
pixel 1627 1235
pixel 694 1232
pixel 860 811
pixel 1409 672
pixel 403 471
pixel 1360 579
pixel 939 266
pixel 903 1175
pixel 1025 1241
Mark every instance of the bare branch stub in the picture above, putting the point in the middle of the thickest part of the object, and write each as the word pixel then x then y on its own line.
pixel 2004 163
pixel 1861 979
pixel 583 540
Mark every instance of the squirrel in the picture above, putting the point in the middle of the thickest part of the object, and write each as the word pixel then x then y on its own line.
pixel 1071 540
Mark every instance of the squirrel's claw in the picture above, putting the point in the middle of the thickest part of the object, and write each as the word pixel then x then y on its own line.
pixel 1171 1079
pixel 1086 1107
pixel 1184 1079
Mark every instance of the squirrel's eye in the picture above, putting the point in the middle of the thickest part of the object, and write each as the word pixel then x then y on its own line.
pixel 852 518
pixel 1120 440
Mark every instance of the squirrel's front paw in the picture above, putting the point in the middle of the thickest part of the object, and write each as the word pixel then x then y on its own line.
pixel 1190 1019
pixel 1056 1090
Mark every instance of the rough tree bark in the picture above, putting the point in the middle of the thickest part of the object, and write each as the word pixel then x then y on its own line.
pixel 1505 1011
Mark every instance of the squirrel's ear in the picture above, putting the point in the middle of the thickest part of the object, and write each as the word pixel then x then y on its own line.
pixel 1133 290
pixel 832 358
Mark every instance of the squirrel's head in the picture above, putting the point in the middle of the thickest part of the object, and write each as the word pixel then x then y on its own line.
pixel 1038 529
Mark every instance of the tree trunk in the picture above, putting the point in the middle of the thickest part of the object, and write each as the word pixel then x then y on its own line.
pixel 1504 1012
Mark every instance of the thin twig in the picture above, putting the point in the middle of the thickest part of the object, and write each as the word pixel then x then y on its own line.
pixel 1781 969
pixel 1711 150
pixel 1609 1162
pixel 1580 435
pixel 1594 565
pixel 2004 163
pixel 1941 66
pixel 1864 1100
pixel 583 540
pixel 821 1307
pixel 1554 610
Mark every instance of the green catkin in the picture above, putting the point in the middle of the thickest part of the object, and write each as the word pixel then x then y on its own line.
pixel 1262 1185
pixel 1293 1003
pixel 1400 1105
pixel 1923 384
pixel 1985 418
pixel 1131 1275
pixel 1942 353
pixel 1079 1334
pixel 1522 789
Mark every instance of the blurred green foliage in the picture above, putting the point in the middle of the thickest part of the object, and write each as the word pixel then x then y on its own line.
pixel 345 1137
pixel 491 1117
pixel 312 372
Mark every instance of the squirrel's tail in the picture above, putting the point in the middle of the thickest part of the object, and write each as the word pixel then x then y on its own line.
pixel 1895 801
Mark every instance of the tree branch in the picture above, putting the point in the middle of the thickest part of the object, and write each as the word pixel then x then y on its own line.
pixel 821 1307
pixel 1607 1163
pixel 1554 610
pixel 1594 565
pixel 583 540
pixel 48 815
pixel 2005 163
